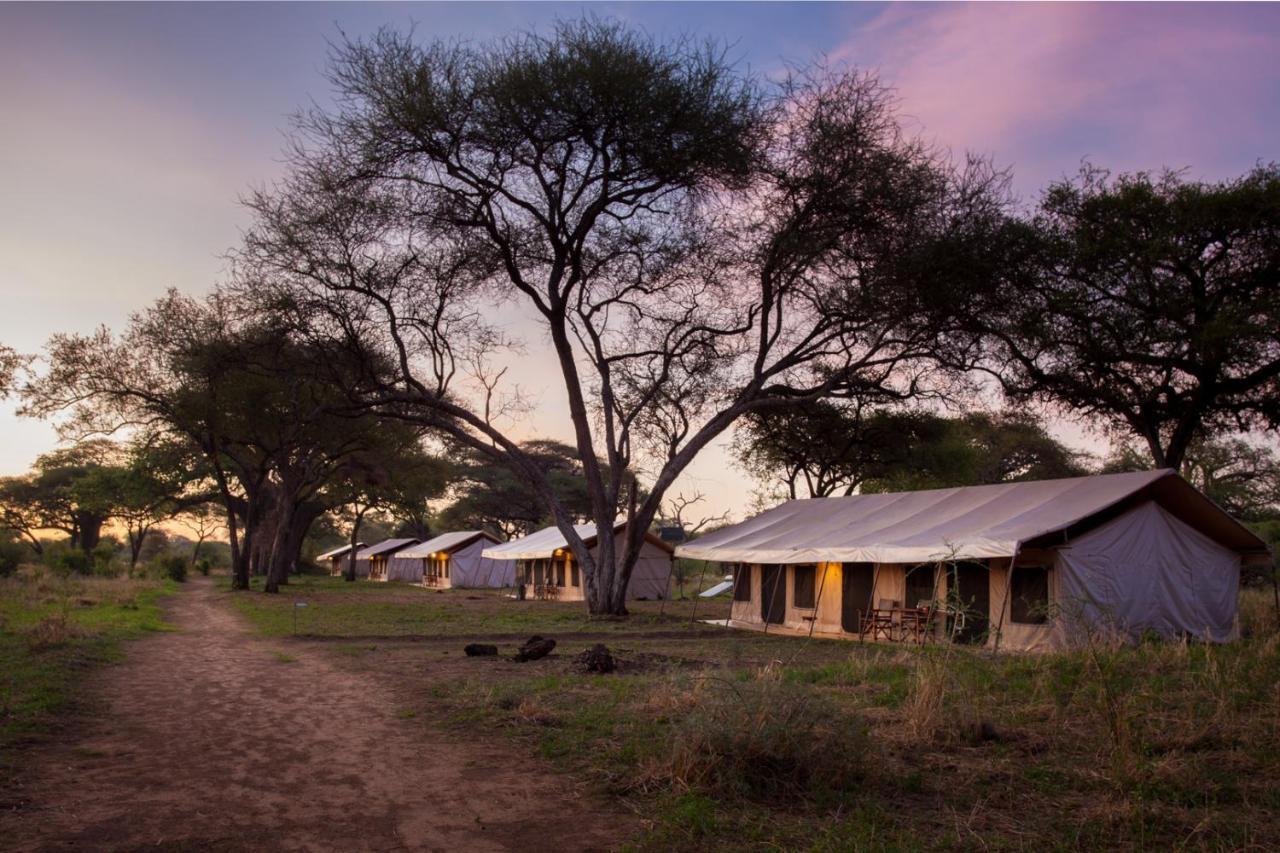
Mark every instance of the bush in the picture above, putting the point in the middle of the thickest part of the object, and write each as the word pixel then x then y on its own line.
pixel 64 560
pixel 203 567
pixel 11 556
pixel 762 739
pixel 104 557
pixel 173 567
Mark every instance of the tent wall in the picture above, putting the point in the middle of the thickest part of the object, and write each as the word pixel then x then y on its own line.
pixel 650 578
pixel 889 583
pixel 469 568
pixel 1013 635
pixel 1147 571
pixel 407 569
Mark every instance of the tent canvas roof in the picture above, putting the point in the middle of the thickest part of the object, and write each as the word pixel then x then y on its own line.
pixel 545 542
pixel 445 542
pixel 387 546
pixel 974 522
pixel 338 552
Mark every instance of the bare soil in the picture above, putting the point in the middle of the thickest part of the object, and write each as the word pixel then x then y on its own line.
pixel 213 738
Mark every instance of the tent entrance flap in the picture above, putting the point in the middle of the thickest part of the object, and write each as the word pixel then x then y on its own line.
pixel 970 586
pixel 857 580
pixel 773 594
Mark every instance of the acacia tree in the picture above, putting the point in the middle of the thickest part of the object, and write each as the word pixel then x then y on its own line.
pixel 1242 477
pixel 692 243
pixel 69 490
pixel 1148 302
pixel 824 449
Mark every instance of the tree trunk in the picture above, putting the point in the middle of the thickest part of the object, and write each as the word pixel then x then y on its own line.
pixel 90 532
pixel 350 573
pixel 277 563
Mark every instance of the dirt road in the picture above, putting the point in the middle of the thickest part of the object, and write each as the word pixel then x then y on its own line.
pixel 212 738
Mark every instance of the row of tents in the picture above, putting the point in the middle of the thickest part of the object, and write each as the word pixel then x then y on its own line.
pixel 1026 566
pixel 540 565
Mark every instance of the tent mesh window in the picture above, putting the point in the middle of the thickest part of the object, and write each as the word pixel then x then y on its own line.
pixel 920 585
pixel 805 577
pixel 742 583
pixel 559 573
pixel 1029 586
pixel 574 577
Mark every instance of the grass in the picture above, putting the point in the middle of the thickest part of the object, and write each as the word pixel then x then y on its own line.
pixel 338 608
pixel 51 631
pixel 734 741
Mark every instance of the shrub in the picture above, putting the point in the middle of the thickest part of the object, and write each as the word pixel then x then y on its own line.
pixel 104 557
pixel 68 561
pixel 173 567
pixel 761 739
pixel 11 556
pixel 203 567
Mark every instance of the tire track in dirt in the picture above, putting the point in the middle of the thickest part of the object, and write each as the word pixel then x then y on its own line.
pixel 205 738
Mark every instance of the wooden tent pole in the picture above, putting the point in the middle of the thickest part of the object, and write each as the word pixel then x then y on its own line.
pixel 1008 591
pixel 671 569
pixel 693 614
pixel 817 605
pixel 871 599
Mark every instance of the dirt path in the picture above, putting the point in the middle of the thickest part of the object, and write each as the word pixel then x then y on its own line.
pixel 181 755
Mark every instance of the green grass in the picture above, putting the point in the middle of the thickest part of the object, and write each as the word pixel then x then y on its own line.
pixel 338 608
pixel 1158 746
pixel 54 629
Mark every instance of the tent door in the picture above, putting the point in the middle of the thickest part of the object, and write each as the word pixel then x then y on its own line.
pixel 773 594
pixel 971 591
pixel 856 580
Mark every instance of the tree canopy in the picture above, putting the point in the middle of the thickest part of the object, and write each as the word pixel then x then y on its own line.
pixel 1148 303
pixel 825 449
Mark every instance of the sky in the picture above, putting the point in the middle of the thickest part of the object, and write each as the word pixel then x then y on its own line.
pixel 129 133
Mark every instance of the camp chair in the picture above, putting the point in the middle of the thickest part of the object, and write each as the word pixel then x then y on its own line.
pixel 880 620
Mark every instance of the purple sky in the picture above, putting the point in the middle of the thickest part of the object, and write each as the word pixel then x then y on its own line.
pixel 129 131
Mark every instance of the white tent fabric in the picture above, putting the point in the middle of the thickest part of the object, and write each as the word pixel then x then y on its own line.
pixel 468 567
pixel 338 552
pixel 650 578
pixel 538 545
pixel 970 523
pixel 1148 571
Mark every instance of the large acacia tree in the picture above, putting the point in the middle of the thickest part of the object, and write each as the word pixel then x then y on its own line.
pixel 692 243
pixel 1149 303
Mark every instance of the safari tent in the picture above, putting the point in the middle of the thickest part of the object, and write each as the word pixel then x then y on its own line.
pixel 544 563
pixel 379 559
pixel 457 560
pixel 335 558
pixel 1027 566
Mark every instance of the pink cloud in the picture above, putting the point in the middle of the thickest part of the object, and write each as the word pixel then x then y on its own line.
pixel 1045 85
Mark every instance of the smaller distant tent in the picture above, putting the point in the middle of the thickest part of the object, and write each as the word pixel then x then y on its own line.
pixel 377 558
pixel 337 558
pixel 457 560
pixel 546 567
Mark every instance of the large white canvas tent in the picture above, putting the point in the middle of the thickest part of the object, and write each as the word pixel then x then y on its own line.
pixel 379 559
pixel 1032 565
pixel 457 560
pixel 546 567
pixel 335 558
